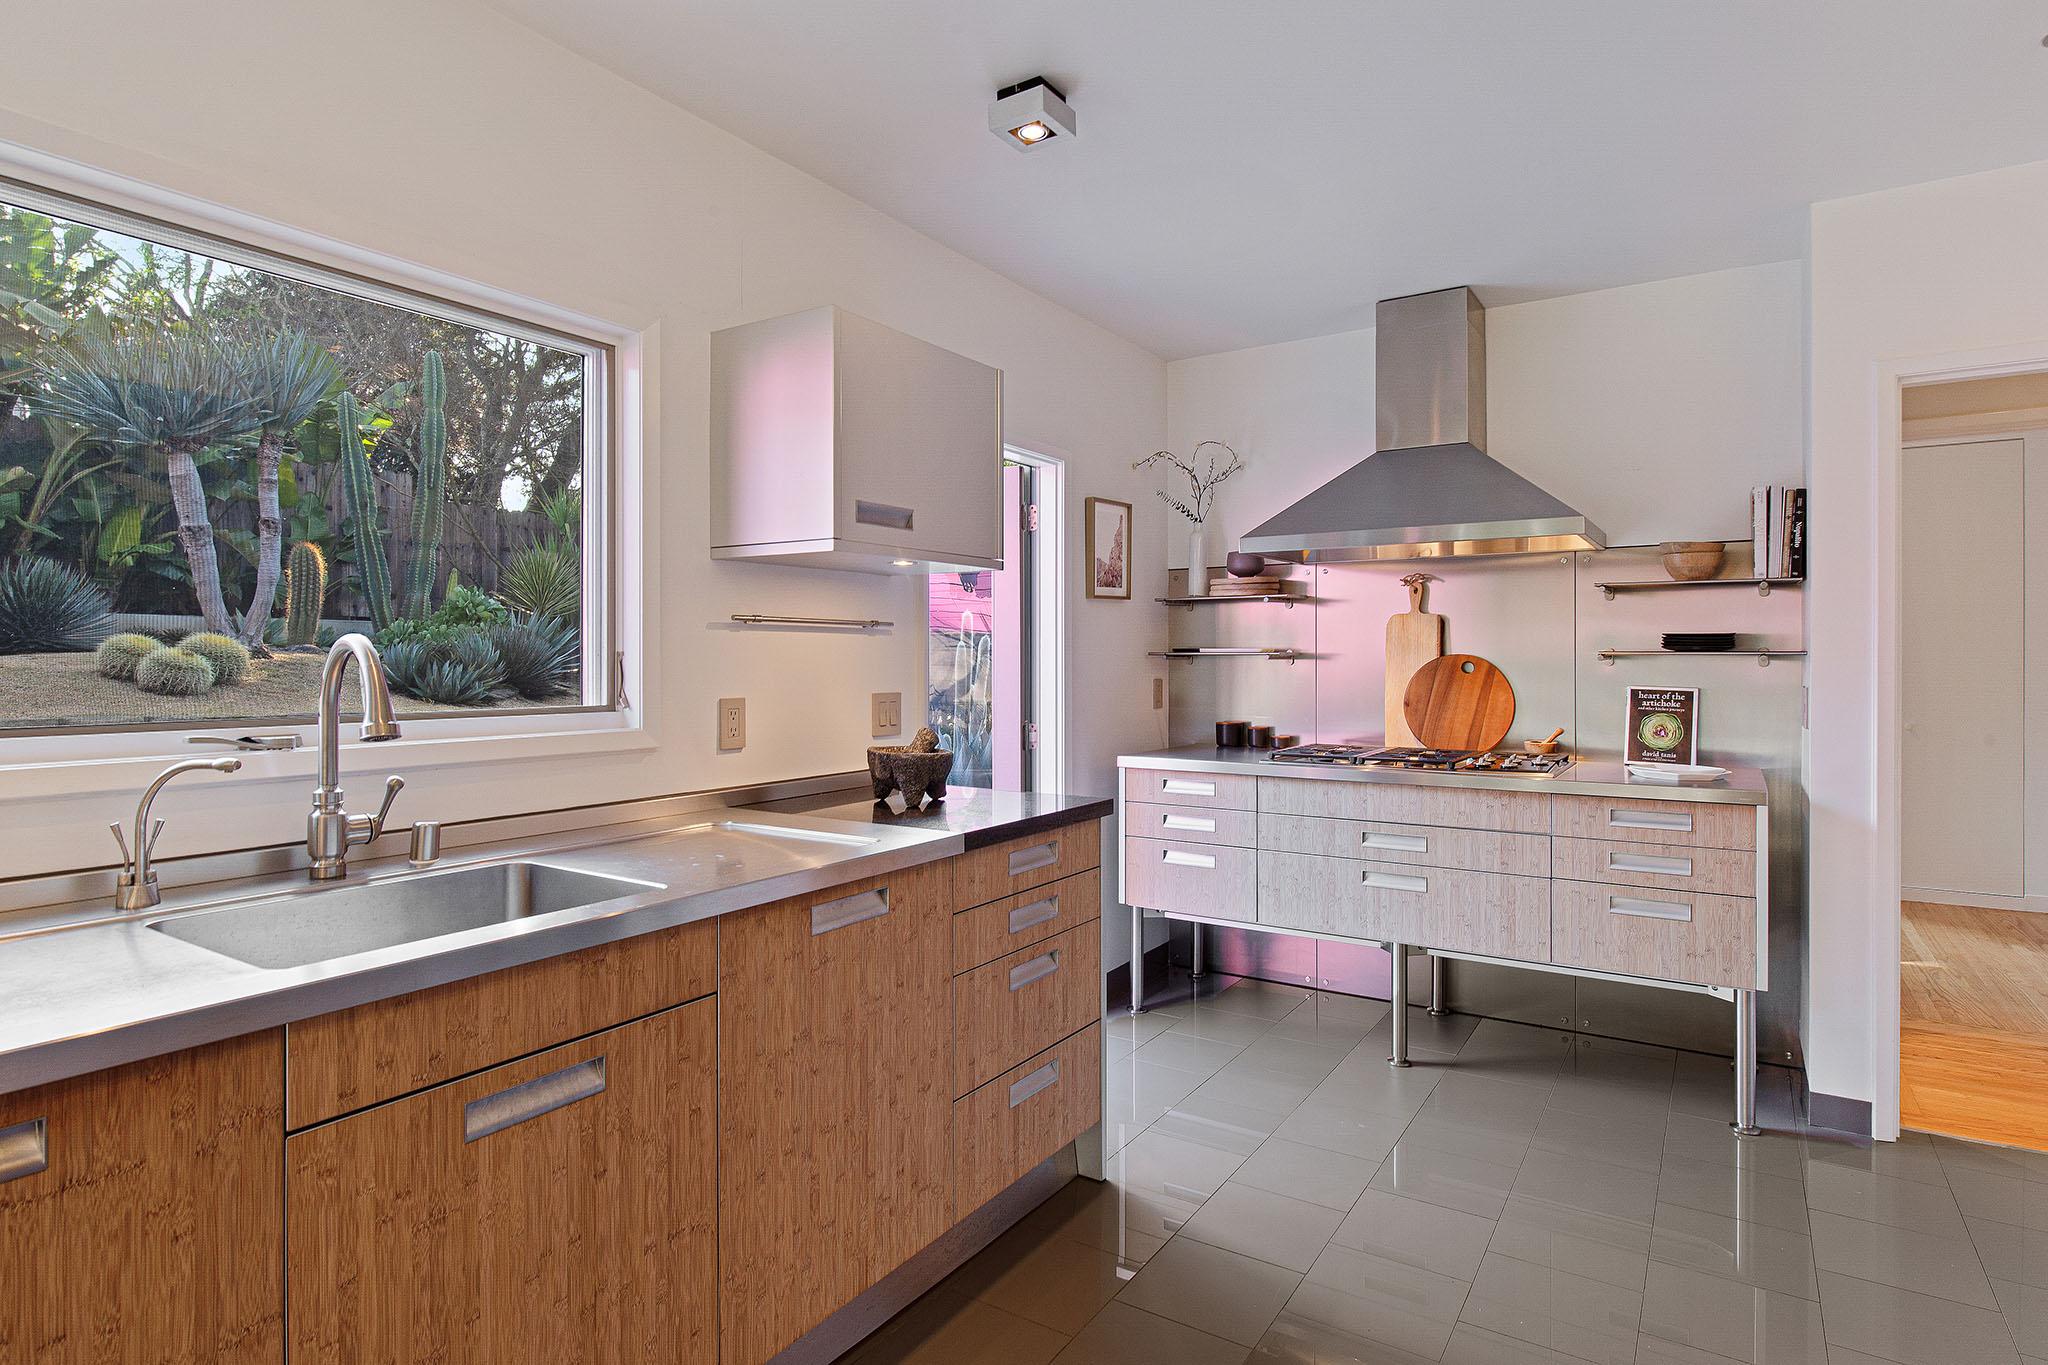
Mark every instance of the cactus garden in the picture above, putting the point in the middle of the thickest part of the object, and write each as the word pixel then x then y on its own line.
pixel 209 471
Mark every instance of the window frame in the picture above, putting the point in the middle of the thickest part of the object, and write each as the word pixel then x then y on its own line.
pixel 52 760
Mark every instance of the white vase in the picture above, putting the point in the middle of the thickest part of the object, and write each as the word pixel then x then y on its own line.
pixel 1198 561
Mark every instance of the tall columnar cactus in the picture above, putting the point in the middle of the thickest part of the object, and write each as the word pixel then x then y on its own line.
pixel 362 513
pixel 305 589
pixel 429 491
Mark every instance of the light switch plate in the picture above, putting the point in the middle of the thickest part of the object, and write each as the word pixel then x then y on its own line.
pixel 1158 693
pixel 732 723
pixel 885 713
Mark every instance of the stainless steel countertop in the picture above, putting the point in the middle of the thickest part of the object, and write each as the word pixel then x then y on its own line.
pixel 82 989
pixel 1741 787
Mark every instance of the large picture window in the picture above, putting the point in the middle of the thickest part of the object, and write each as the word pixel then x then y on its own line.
pixel 213 462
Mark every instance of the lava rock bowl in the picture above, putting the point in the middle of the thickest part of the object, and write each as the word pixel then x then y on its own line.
pixel 1242 565
pixel 917 773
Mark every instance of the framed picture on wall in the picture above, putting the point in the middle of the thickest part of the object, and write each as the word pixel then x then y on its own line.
pixel 1109 548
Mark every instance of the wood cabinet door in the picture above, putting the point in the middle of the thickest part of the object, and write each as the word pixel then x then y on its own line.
pixel 835 1104
pixel 556 1209
pixel 139 1212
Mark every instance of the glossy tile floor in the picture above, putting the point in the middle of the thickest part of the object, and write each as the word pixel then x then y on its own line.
pixel 1280 1196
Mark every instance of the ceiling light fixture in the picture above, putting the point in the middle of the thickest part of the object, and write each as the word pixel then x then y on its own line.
pixel 1031 114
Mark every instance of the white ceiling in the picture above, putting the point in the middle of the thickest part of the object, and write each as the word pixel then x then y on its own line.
pixel 1250 171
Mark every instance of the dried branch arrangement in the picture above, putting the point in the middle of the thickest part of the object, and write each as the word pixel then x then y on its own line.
pixel 1203 478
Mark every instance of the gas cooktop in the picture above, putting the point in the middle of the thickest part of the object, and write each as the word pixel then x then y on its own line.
pixel 1515 762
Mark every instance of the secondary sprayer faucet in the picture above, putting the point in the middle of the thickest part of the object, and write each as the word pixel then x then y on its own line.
pixel 330 830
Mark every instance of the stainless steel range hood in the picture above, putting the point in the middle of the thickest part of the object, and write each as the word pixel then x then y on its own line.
pixel 1429 490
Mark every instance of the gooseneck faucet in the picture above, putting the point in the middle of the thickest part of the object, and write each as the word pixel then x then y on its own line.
pixel 136 888
pixel 330 830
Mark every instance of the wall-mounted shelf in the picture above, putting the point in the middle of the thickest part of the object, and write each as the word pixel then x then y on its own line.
pixel 1763 657
pixel 1220 652
pixel 845 622
pixel 1288 597
pixel 1763 586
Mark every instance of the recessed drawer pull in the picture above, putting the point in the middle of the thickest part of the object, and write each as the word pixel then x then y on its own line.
pixel 1180 857
pixel 1641 909
pixel 837 914
pixel 883 514
pixel 1649 863
pixel 1405 843
pixel 24 1149
pixel 1182 786
pixel 1200 824
pixel 1024 1087
pixel 1389 881
pixel 1038 912
pixel 1678 820
pixel 556 1090
pixel 1037 969
pixel 1031 859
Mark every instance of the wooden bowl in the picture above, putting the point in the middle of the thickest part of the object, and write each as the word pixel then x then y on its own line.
pixel 1540 746
pixel 917 773
pixel 1688 561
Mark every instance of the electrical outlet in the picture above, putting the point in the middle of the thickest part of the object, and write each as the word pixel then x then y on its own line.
pixel 886 713
pixel 732 723
pixel 1158 693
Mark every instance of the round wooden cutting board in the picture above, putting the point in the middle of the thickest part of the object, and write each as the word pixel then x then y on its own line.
pixel 1460 701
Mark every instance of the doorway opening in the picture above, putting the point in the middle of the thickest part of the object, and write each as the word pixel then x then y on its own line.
pixel 993 667
pixel 1973 604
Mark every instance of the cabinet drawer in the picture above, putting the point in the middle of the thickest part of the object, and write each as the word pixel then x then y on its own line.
pixel 1021 1004
pixel 1703 824
pixel 1718 871
pixel 1425 907
pixel 562 1207
pixel 1519 812
pixel 1191 824
pixel 357 1057
pixel 1163 786
pixel 989 931
pixel 1004 869
pixel 1474 850
pixel 1669 935
pixel 1192 879
pixel 1006 1127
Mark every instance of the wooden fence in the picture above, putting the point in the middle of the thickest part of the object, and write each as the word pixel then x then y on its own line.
pixel 475 541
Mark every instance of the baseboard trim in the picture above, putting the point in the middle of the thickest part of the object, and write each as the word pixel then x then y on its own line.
pixel 1975 900
pixel 1839 1113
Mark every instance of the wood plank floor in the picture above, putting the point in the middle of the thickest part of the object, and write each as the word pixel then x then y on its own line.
pixel 1973 1023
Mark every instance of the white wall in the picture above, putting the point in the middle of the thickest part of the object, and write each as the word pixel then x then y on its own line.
pixel 1653 408
pixel 449 136
pixel 1899 279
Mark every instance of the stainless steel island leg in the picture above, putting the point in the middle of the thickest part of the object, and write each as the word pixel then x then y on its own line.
pixel 1195 970
pixel 1399 954
pixel 1437 1008
pixel 1745 1065
pixel 1137 961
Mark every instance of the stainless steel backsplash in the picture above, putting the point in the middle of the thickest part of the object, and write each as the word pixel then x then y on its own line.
pixel 1544 621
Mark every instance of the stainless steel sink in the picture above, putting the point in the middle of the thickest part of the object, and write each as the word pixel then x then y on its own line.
pixel 294 931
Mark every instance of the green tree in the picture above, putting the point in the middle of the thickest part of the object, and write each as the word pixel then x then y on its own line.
pixel 169 391
pixel 287 377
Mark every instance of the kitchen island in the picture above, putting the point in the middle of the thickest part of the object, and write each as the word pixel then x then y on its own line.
pixel 1586 870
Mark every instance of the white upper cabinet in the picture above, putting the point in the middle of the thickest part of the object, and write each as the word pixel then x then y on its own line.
pixel 841 443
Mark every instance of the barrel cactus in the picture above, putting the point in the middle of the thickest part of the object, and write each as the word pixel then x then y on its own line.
pixel 365 521
pixel 228 656
pixel 305 590
pixel 118 654
pixel 430 491
pixel 173 672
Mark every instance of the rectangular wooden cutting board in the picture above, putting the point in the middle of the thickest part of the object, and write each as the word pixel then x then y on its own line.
pixel 1414 637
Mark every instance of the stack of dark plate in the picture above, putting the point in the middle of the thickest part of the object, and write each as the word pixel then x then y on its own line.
pixel 1681 642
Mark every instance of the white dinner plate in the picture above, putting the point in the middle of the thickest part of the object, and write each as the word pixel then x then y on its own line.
pixel 1676 772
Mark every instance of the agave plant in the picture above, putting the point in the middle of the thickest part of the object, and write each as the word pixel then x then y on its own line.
pixel 49 608
pixel 173 392
pixel 287 377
